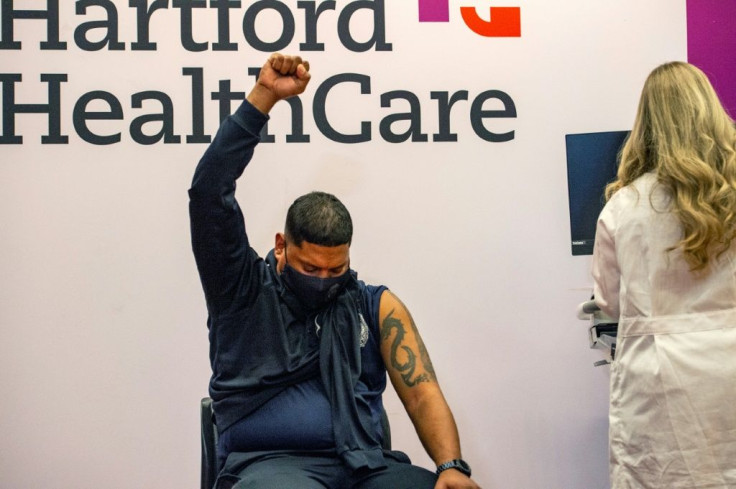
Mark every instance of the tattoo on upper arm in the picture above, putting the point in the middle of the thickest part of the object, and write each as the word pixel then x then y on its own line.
pixel 408 368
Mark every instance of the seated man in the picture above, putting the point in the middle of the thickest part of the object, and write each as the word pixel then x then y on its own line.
pixel 299 347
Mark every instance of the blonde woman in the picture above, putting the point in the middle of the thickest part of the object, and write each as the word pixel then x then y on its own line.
pixel 665 264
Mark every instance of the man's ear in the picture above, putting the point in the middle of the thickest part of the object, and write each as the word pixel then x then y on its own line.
pixel 279 245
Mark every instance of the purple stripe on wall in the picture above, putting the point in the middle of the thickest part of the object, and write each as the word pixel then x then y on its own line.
pixel 711 45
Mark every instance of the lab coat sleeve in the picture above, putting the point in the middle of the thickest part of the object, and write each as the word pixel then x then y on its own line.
pixel 606 272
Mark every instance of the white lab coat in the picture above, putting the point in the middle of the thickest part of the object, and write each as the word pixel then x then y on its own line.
pixel 673 381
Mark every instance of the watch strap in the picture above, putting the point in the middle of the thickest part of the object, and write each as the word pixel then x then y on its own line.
pixel 457 463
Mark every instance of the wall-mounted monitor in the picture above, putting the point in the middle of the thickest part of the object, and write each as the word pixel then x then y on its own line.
pixel 592 161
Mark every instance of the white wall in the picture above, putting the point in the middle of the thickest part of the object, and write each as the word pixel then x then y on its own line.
pixel 103 344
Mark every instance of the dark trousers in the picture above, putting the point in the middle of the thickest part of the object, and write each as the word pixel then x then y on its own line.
pixel 310 470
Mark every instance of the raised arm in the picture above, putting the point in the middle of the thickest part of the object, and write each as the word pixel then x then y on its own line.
pixel 219 238
pixel 412 375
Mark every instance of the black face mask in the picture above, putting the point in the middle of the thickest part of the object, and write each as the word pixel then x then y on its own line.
pixel 313 292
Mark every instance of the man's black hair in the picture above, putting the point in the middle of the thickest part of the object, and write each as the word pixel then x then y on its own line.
pixel 318 218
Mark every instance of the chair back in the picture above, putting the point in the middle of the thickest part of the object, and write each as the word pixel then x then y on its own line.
pixel 209 444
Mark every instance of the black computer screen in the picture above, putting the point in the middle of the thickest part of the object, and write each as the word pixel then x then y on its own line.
pixel 592 161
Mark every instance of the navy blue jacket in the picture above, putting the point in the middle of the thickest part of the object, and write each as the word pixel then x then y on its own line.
pixel 259 343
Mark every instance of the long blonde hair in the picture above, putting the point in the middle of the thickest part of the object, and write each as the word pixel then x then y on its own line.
pixel 683 134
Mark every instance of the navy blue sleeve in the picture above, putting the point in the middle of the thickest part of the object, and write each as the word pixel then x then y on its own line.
pixel 219 240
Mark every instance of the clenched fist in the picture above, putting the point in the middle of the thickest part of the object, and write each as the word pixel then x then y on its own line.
pixel 281 77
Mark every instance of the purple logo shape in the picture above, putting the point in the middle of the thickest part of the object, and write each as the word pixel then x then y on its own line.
pixel 434 11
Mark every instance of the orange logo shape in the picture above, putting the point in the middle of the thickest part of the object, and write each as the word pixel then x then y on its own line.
pixel 504 22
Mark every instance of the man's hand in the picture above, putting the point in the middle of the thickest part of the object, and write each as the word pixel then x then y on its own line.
pixel 281 77
pixel 453 479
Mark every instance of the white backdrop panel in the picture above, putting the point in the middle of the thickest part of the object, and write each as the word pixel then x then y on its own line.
pixel 103 344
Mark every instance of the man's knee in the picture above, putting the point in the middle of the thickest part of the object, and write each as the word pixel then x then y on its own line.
pixel 399 476
pixel 278 481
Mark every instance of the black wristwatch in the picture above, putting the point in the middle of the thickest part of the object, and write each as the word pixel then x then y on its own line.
pixel 458 464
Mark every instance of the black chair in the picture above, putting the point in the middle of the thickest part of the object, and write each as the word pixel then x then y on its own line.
pixel 209 442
